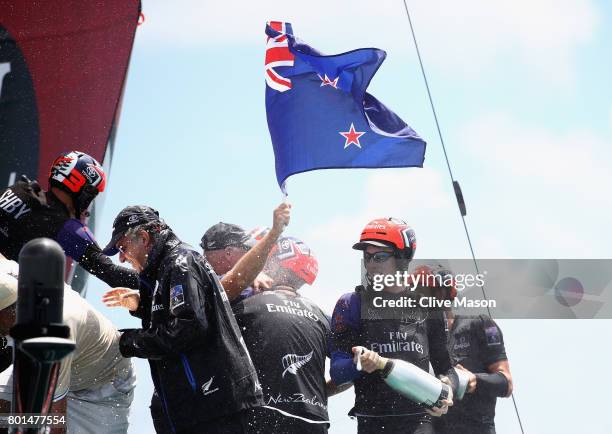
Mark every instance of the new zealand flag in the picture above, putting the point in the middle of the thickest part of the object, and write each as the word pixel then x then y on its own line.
pixel 320 115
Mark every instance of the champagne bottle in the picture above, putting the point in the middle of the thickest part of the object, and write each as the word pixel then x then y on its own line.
pixel 414 383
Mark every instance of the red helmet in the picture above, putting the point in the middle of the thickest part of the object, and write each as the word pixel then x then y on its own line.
pixel 389 232
pixel 80 175
pixel 292 254
pixel 435 276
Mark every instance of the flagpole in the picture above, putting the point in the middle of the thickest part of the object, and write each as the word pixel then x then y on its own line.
pixel 285 198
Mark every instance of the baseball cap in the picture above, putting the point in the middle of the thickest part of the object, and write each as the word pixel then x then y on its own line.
pixel 129 217
pixel 224 235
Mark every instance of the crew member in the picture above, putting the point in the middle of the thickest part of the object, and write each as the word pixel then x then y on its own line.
pixel 415 335
pixel 200 366
pixel 476 345
pixel 286 335
pixel 236 257
pixel 95 383
pixel 28 212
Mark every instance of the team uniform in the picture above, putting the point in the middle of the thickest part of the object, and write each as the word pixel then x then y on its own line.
pixel 28 212
pixel 475 343
pixel 419 338
pixel 95 379
pixel 199 364
pixel 286 335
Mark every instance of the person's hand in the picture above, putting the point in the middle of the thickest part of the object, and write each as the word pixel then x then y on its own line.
pixel 471 387
pixel 122 297
pixel 448 402
pixel 370 360
pixel 262 282
pixel 281 217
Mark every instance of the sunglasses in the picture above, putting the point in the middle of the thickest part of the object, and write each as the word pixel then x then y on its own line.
pixel 377 257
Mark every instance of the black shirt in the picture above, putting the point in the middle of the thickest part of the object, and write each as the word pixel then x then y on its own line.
pixel 475 343
pixel 286 335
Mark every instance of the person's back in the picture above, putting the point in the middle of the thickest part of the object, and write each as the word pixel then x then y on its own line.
pixel 286 335
pixel 26 212
pixel 97 359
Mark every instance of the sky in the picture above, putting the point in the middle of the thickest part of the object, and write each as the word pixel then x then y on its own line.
pixel 522 94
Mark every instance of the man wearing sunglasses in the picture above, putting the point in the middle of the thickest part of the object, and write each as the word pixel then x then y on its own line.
pixel 412 335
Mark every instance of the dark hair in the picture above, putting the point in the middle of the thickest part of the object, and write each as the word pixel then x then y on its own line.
pixel 154 229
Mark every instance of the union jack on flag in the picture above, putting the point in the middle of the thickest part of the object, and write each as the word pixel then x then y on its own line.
pixel 278 54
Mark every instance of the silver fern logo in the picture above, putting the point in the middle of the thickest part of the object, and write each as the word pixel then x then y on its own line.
pixel 292 362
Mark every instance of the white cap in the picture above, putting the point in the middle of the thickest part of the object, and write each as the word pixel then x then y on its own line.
pixel 9 270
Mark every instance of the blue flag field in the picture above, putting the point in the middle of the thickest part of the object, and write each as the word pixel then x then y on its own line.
pixel 320 115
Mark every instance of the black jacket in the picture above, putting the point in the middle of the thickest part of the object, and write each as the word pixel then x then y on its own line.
pixel 26 212
pixel 199 363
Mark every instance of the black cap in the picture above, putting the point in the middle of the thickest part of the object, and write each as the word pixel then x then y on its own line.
pixel 129 217
pixel 224 235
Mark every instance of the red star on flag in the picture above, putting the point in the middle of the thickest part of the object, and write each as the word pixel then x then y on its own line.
pixel 352 137
pixel 325 81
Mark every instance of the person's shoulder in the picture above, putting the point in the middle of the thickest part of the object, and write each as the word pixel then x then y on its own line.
pixel 183 256
pixel 76 309
pixel 28 191
pixel 255 303
pixel 20 185
pixel 184 259
pixel 306 300
pixel 483 326
pixel 484 322
pixel 347 300
pixel 312 305
pixel 347 312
